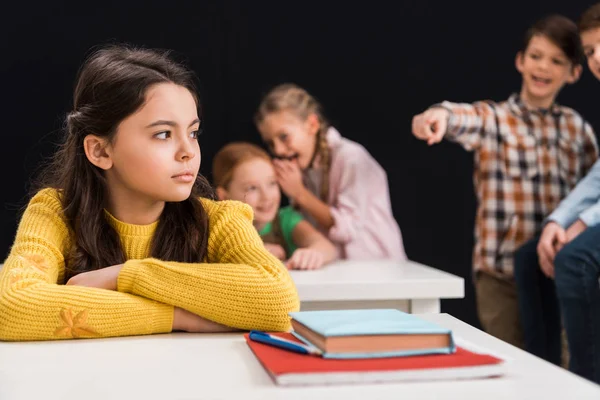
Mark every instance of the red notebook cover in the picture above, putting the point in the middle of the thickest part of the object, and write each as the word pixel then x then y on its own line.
pixel 289 368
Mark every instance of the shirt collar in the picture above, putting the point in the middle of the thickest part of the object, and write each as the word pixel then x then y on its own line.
pixel 518 106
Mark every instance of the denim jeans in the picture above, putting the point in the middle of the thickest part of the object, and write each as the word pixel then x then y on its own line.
pixel 577 270
pixel 538 305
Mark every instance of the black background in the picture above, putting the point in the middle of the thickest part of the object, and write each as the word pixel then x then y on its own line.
pixel 372 65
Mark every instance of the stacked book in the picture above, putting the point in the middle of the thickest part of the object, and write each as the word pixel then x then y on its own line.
pixel 366 346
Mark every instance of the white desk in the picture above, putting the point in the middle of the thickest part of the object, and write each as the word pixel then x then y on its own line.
pixel 195 366
pixel 407 286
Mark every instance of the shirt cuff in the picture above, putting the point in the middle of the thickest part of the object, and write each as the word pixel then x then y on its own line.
pixel 590 217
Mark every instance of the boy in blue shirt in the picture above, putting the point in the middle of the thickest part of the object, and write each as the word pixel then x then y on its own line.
pixel 568 251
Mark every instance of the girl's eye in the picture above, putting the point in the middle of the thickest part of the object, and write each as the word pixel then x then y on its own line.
pixel 194 134
pixel 163 135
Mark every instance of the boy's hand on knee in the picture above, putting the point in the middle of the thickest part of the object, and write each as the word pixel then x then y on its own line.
pixel 431 125
pixel 552 239
pixel 574 230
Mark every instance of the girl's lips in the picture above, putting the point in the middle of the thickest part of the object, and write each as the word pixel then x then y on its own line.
pixel 185 178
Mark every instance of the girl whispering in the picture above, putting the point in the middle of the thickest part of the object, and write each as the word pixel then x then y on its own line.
pixel 123 237
pixel 335 183
pixel 244 172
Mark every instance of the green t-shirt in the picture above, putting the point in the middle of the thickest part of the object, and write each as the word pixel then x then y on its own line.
pixel 288 219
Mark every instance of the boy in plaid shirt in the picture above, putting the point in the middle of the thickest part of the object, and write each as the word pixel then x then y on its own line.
pixel 569 252
pixel 529 153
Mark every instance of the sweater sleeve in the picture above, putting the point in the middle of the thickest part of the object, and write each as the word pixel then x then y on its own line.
pixel 34 306
pixel 241 285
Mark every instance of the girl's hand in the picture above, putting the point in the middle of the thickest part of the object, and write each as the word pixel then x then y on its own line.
pixel 186 321
pixel 104 278
pixel 276 250
pixel 305 259
pixel 289 177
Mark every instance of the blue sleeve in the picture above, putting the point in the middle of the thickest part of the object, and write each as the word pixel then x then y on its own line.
pixel 582 203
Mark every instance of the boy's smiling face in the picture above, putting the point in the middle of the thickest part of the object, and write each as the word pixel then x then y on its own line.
pixel 591 47
pixel 545 69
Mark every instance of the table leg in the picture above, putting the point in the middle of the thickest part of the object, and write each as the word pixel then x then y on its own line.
pixel 424 306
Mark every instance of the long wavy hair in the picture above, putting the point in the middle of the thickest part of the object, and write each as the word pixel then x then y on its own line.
pixel 112 85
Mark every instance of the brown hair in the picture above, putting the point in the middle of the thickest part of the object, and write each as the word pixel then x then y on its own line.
pixel 561 31
pixel 292 98
pixel 230 156
pixel 111 85
pixel 590 19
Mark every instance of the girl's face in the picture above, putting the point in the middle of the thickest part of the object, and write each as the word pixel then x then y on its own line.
pixel 155 155
pixel 288 136
pixel 254 183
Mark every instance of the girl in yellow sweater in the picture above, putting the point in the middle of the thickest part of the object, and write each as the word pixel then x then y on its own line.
pixel 124 237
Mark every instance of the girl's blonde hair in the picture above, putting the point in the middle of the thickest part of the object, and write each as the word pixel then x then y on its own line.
pixel 292 98
pixel 230 157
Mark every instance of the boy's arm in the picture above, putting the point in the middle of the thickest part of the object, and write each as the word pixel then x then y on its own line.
pixel 590 148
pixel 581 203
pixel 467 123
pixel 584 201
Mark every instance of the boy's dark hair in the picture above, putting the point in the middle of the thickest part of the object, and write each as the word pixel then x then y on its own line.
pixel 561 31
pixel 590 19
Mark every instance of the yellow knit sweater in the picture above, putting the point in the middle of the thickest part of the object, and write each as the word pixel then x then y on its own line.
pixel 242 285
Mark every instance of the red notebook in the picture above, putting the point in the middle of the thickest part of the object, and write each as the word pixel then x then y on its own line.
pixel 289 368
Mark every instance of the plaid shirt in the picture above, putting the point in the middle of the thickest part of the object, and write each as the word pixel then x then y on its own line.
pixel 526 162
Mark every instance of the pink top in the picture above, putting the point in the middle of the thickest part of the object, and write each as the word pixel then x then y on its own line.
pixel 364 226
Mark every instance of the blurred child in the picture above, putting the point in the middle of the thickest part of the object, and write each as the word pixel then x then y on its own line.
pixel 334 182
pixel 244 172
pixel 529 153
pixel 569 247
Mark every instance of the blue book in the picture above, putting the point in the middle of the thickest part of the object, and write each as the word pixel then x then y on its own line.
pixel 375 333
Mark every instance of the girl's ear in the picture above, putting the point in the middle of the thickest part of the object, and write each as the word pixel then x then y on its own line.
pixel 97 151
pixel 313 124
pixel 222 193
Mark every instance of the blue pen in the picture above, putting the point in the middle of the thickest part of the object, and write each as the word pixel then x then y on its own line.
pixel 263 337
